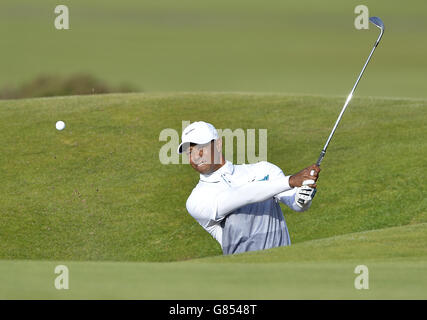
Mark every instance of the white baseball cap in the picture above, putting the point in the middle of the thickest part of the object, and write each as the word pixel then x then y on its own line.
pixel 198 132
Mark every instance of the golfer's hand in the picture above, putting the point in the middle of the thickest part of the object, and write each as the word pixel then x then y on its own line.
pixel 304 195
pixel 307 177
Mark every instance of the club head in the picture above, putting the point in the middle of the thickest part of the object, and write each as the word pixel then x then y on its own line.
pixel 377 22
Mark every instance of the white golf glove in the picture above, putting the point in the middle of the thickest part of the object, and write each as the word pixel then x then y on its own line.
pixel 304 195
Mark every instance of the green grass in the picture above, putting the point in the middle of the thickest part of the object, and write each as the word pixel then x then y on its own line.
pixel 395 244
pixel 97 190
pixel 238 45
pixel 96 198
pixel 321 269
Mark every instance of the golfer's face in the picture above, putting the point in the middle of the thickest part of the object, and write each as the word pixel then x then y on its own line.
pixel 201 157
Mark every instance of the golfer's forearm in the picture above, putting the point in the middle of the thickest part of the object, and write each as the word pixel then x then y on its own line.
pixel 253 192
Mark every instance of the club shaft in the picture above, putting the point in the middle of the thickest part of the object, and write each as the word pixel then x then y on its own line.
pixel 323 152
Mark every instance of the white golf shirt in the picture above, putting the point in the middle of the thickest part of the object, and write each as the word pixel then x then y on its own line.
pixel 249 193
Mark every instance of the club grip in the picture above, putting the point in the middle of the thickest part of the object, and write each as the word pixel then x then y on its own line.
pixel 322 155
pixel 313 194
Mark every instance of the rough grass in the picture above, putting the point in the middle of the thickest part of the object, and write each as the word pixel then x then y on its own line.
pixel 97 190
pixel 54 85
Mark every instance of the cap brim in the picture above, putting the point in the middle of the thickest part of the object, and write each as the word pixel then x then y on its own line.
pixel 179 150
pixel 183 144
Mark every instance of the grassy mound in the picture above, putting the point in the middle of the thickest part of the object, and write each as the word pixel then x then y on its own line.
pixel 406 243
pixel 97 190
pixel 396 259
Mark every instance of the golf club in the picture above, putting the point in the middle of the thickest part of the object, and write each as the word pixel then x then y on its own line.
pixel 378 23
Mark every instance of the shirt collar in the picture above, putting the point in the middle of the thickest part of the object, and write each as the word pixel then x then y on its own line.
pixel 227 168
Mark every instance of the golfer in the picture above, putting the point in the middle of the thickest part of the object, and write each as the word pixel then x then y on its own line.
pixel 239 204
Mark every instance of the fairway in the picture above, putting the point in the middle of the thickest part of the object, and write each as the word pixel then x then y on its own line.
pixel 308 47
pixel 302 271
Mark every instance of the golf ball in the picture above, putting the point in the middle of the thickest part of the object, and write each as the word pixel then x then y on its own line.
pixel 60 125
